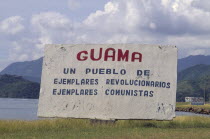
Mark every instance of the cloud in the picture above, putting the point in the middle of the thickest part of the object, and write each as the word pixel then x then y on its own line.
pixel 165 17
pixel 45 28
pixel 146 21
pixel 115 17
pixel 199 51
pixel 24 49
pixel 12 25
pixel 74 4
pixel 202 4
pixel 166 22
pixel 52 20
pixel 51 27
pixel 174 22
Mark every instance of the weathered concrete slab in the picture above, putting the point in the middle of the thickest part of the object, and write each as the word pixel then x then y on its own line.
pixel 121 81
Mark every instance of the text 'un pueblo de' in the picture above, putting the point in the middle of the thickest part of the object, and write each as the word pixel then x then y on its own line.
pixel 109 81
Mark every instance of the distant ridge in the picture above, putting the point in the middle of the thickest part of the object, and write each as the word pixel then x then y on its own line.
pixel 30 70
pixel 190 61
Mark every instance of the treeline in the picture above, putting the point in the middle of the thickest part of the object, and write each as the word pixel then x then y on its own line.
pixel 194 82
pixel 12 86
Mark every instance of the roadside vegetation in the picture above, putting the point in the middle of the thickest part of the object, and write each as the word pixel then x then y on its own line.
pixel 187 107
pixel 180 127
pixel 188 104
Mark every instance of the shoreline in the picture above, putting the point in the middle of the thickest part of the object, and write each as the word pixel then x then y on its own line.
pixel 194 110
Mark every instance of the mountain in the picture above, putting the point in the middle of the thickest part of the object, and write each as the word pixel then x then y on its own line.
pixel 193 88
pixel 194 72
pixel 30 70
pixel 190 61
pixel 193 82
pixel 12 86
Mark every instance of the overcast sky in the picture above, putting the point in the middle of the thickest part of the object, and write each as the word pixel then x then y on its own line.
pixel 26 25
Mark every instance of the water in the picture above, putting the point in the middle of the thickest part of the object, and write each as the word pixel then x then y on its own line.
pixel 26 109
pixel 180 113
pixel 18 109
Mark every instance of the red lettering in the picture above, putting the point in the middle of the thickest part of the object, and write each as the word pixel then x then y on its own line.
pixel 93 57
pixel 139 56
pixel 82 58
pixel 112 56
pixel 122 56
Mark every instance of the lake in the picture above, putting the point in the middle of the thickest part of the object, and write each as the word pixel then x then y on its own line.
pixel 18 109
pixel 26 109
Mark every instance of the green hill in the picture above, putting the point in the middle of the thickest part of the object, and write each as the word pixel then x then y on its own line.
pixel 12 86
pixel 194 72
pixel 193 81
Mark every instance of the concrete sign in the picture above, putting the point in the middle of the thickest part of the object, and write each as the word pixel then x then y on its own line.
pixel 120 81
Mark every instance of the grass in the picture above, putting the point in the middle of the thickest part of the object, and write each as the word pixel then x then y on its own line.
pixel 182 103
pixel 180 127
pixel 187 105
